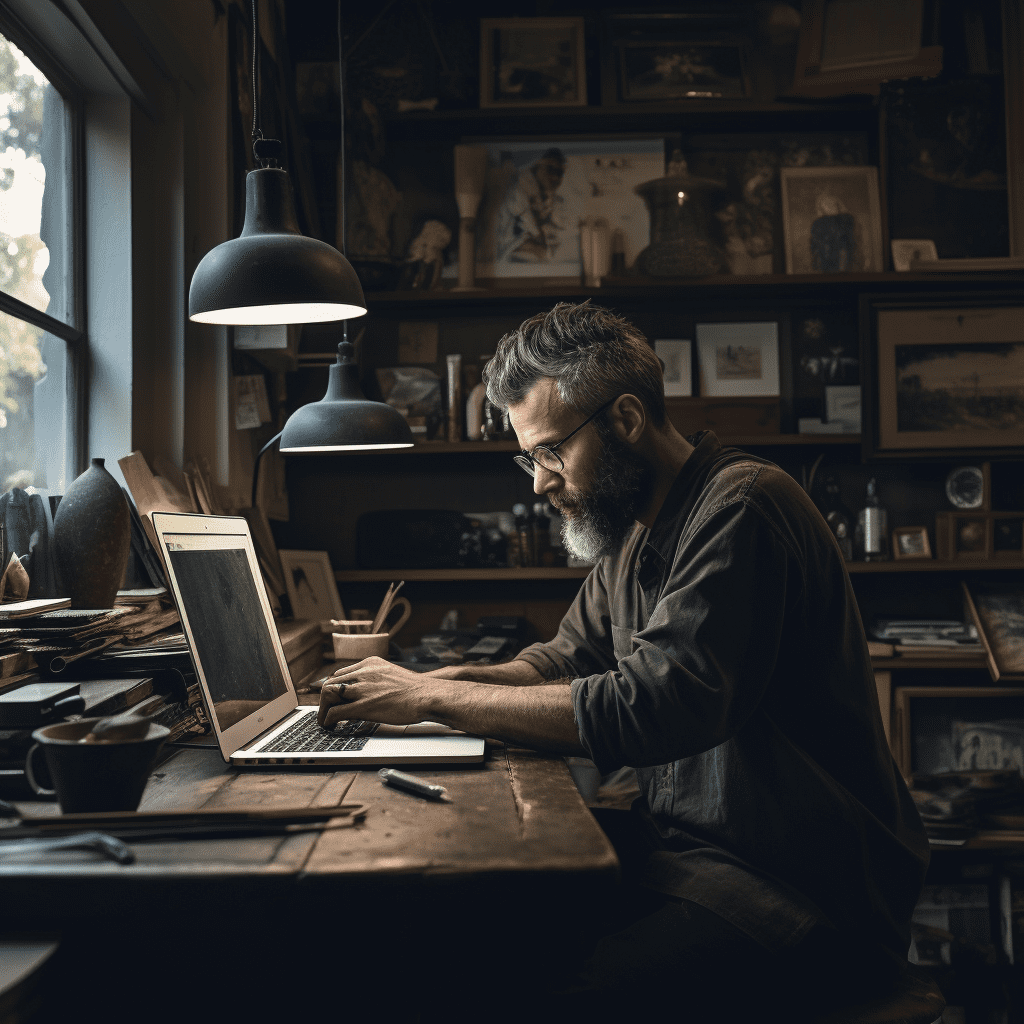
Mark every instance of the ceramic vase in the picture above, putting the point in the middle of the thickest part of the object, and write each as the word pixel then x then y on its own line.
pixel 92 538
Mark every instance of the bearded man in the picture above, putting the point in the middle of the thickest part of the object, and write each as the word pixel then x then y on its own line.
pixel 716 647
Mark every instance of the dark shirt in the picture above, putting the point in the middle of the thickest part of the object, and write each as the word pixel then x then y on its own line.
pixel 721 654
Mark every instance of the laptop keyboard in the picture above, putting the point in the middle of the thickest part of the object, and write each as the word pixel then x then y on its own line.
pixel 307 736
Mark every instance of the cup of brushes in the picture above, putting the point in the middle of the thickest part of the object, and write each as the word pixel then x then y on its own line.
pixel 367 638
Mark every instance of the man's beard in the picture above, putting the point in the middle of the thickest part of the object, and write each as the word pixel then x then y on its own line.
pixel 595 522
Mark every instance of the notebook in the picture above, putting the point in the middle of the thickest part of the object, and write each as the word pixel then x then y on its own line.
pixel 242 671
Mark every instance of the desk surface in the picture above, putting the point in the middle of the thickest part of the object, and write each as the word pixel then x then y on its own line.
pixel 517 821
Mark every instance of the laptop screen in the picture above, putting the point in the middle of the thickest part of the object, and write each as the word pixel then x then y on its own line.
pixel 229 630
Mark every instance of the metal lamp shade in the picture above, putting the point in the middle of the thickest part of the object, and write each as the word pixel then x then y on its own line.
pixel 344 419
pixel 272 273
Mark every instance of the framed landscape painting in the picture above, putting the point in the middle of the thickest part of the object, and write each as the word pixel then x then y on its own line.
pixel 947 377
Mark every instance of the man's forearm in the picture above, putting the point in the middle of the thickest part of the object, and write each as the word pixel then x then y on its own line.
pixel 510 673
pixel 531 716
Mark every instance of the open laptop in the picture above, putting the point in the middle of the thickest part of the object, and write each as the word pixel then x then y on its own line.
pixel 242 671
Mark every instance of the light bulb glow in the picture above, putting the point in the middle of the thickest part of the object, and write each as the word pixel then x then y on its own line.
pixel 281 313
pixel 320 449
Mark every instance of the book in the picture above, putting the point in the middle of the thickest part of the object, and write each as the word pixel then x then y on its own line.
pixel 36 606
pixel 108 696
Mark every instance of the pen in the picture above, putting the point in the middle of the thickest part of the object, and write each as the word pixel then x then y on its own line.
pixel 401 780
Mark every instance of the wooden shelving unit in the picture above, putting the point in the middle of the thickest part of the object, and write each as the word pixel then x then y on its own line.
pixel 455 575
pixel 932 565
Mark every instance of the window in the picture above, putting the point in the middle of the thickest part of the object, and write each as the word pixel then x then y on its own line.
pixel 40 314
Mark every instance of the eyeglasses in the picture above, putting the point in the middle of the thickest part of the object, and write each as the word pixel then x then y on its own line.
pixel 544 455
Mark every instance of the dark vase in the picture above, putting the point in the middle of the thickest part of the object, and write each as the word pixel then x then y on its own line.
pixel 92 538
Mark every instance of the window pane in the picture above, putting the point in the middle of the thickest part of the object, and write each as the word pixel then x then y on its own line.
pixel 21 367
pixel 35 195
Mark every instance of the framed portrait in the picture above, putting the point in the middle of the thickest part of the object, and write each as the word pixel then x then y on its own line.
pixel 312 592
pixel 953 728
pixel 945 377
pixel 681 69
pixel 532 62
pixel 832 222
pixel 538 192
pixel 739 359
pixel 675 355
pixel 911 542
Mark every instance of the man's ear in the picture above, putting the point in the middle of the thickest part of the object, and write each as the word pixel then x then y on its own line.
pixel 629 417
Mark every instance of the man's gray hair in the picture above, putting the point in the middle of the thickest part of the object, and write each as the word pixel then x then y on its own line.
pixel 592 354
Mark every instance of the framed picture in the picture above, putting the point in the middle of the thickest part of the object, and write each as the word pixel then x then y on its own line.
pixel 738 359
pixel 532 62
pixel 952 728
pixel 675 355
pixel 842 405
pixel 945 377
pixel 906 250
pixel 911 542
pixel 832 222
pixel 309 580
pixel 997 612
pixel 681 69
pixel 537 193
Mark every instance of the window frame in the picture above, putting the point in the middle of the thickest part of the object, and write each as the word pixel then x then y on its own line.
pixel 74 335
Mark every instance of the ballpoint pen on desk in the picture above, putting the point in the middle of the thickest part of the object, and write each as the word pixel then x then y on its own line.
pixel 411 784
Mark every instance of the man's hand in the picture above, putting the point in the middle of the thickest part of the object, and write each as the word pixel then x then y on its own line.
pixel 374 690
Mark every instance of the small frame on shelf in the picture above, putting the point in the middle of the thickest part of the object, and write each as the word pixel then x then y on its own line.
pixel 738 359
pixel 309 580
pixel 945 378
pixel 911 542
pixel 832 220
pixel 652 70
pixel 675 355
pixel 532 62
pixel 957 728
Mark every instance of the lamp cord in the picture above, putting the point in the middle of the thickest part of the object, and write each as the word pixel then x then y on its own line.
pixel 343 241
pixel 257 130
pixel 256 464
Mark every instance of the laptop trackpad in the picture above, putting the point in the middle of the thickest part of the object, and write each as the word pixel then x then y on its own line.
pixel 417 729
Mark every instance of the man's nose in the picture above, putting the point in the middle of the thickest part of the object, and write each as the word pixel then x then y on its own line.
pixel 545 481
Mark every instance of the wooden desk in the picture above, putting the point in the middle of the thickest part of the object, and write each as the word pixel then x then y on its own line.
pixel 516 849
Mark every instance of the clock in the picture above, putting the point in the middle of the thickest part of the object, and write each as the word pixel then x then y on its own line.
pixel 965 487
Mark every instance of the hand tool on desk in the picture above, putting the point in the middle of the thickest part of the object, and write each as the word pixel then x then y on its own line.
pixel 107 845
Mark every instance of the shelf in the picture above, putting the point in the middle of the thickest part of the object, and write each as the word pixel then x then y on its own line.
pixel 931 565
pixel 518 290
pixel 912 662
pixel 505 447
pixel 456 575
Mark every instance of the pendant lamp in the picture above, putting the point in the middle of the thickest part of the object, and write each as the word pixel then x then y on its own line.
pixel 272 273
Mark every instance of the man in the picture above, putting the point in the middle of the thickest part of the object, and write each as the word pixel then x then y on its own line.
pixel 716 648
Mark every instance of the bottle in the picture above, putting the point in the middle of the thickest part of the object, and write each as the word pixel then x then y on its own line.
pixel 454 431
pixel 520 511
pixel 475 407
pixel 873 527
pixel 542 554
pixel 838 518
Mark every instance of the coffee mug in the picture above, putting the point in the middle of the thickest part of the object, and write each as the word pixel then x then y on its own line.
pixel 352 647
pixel 94 776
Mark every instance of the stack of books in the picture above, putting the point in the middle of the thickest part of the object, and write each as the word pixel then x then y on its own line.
pixel 926 638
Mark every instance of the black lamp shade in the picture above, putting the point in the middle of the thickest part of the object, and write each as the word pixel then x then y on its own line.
pixel 344 419
pixel 272 273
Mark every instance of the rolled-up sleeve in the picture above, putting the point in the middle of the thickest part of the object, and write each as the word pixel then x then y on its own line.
pixel 699 667
pixel 583 644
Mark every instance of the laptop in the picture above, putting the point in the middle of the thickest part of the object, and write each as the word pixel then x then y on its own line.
pixel 242 672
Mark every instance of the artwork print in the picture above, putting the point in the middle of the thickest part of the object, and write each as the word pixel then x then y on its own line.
pixel 538 192
pixel 680 70
pixel 832 220
pixel 738 359
pixel 532 62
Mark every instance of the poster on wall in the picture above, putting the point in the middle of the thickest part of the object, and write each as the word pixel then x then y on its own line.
pixel 538 192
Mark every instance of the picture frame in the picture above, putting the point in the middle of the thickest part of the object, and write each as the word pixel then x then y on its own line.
pixel 676 356
pixel 905 251
pixel 532 62
pixel 997 611
pixel 312 591
pixel 911 542
pixel 832 220
pixel 942 376
pixel 656 70
pixel 738 359
pixel 538 191
pixel 933 728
